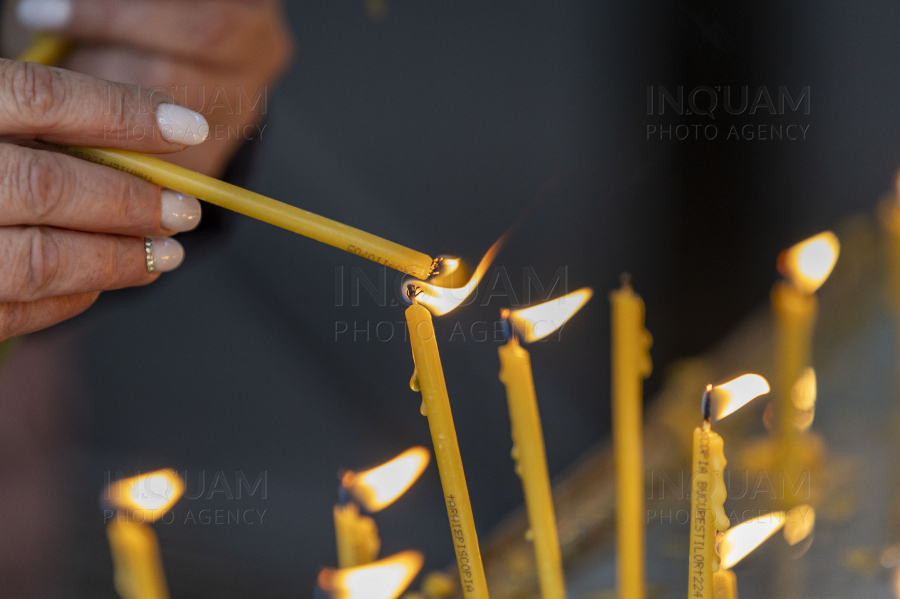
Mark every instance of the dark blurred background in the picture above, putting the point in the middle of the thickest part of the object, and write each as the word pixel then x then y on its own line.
pixel 435 125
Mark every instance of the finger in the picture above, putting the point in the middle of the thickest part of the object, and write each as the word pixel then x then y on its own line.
pixel 42 262
pixel 39 102
pixel 20 318
pixel 48 188
pixel 211 31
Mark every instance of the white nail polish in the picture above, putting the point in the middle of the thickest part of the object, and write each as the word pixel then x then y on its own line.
pixel 167 254
pixel 46 15
pixel 181 125
pixel 180 212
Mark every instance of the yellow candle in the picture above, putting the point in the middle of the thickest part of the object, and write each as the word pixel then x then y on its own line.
pixel 795 313
pixel 45 49
pixel 139 500
pixel 260 207
pixel 531 466
pixel 137 564
pixel 707 510
pixel 446 451
pixel 806 266
pixel 630 365
pixel 724 585
pixel 357 536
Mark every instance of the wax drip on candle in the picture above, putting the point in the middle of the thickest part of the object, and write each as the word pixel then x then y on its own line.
pixel 411 293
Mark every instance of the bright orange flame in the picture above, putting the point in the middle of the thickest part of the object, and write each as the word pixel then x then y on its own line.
pixel 381 486
pixel 384 579
pixel 539 321
pixel 809 263
pixel 800 523
pixel 733 395
pixel 740 540
pixel 152 493
pixel 441 300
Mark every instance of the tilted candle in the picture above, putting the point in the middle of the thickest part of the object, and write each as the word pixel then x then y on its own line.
pixel 430 377
pixel 45 49
pixel 631 364
pixel 48 49
pixel 260 207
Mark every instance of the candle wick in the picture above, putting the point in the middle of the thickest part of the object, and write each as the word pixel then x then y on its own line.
pixel 411 293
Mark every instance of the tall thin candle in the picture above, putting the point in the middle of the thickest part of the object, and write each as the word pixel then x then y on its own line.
pixel 630 365
pixel 436 402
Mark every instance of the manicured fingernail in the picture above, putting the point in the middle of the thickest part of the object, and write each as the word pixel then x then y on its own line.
pixel 167 254
pixel 181 125
pixel 46 15
pixel 180 212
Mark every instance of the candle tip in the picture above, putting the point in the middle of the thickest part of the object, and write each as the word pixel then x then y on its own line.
pixel 706 405
pixel 625 279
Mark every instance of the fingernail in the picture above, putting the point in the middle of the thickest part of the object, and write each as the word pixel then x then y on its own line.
pixel 180 212
pixel 167 254
pixel 46 15
pixel 181 125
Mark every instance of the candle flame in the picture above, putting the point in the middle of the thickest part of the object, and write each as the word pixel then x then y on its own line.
pixel 733 395
pixel 539 321
pixel 441 300
pixel 800 523
pixel 809 263
pixel 152 493
pixel 803 396
pixel 384 579
pixel 740 540
pixel 379 487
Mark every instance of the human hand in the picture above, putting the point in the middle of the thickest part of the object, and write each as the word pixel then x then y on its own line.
pixel 69 228
pixel 214 56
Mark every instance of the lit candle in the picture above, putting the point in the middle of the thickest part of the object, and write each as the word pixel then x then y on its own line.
pixel 631 364
pixel 528 440
pixel 805 267
pixel 384 579
pixel 47 49
pixel 375 489
pixel 137 564
pixel 740 540
pixel 708 491
pixel 430 380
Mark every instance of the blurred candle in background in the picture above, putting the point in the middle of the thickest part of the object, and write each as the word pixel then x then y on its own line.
pixel 631 364
pixel 805 267
pixel 138 501
pixel 374 489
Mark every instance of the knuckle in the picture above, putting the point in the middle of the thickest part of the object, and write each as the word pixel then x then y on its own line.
pixel 42 261
pixel 39 184
pixel 36 94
